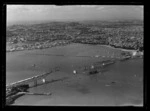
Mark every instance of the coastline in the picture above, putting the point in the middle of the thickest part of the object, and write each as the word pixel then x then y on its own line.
pixel 81 84
pixel 122 49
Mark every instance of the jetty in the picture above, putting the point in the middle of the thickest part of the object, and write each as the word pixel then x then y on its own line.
pixel 34 80
pixel 20 88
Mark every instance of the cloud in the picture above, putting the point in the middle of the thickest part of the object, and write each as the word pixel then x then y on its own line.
pixel 67 12
pixel 25 8
pixel 100 8
pixel 141 6
pixel 13 7
pixel 44 8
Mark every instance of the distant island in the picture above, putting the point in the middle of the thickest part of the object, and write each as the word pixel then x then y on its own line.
pixel 119 34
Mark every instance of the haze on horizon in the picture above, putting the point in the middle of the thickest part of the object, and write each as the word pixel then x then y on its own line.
pixel 35 13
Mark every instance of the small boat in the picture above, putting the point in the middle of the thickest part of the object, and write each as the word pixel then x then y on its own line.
pixel 93 72
pixel 74 71
pixel 33 65
pixel 92 67
pixel 108 63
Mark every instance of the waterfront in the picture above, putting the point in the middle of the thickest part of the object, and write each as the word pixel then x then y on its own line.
pixel 118 84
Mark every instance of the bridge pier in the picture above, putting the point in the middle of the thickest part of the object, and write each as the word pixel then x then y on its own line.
pixel 35 82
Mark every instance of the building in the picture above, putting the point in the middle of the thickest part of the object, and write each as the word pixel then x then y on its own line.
pixel 137 53
pixel 134 53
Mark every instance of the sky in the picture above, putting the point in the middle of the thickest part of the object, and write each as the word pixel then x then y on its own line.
pixel 27 13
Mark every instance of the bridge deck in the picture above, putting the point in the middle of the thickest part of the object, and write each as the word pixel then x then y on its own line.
pixel 28 80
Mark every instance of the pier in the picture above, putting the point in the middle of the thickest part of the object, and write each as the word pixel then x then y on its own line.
pixel 33 80
pixel 19 88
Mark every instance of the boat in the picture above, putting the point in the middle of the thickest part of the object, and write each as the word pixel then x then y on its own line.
pixel 108 63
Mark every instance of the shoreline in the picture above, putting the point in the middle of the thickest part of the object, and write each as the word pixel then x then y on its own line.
pixel 94 85
pixel 122 49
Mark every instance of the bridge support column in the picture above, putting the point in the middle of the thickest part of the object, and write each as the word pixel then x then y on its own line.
pixel 35 82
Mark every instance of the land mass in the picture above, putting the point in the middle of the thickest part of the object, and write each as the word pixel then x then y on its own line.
pixel 118 34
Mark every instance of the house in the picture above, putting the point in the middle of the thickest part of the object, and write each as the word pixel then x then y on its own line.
pixel 137 53
pixel 134 53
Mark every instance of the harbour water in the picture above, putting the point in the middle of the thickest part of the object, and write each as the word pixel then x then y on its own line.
pixel 118 84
